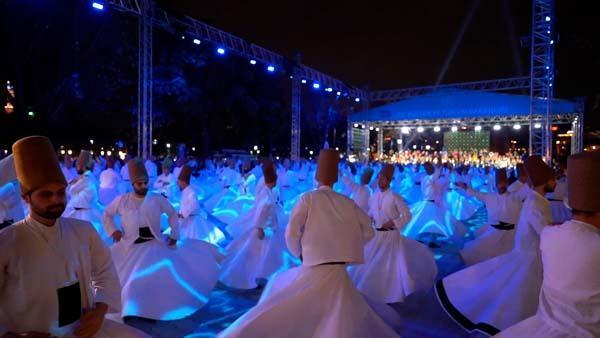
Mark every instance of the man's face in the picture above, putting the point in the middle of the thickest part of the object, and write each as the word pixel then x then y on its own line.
pixel 166 171
pixel 48 201
pixel 181 184
pixel 383 182
pixel 550 186
pixel 501 187
pixel 140 188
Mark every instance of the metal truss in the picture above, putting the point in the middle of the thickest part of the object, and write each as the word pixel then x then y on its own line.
pixel 296 122
pixel 542 77
pixel 484 122
pixel 577 127
pixel 514 83
pixel 145 81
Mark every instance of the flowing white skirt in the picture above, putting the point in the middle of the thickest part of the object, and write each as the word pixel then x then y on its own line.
pixel 249 258
pixel 491 243
pixel 428 217
pixel 494 294
pixel 395 267
pixel 163 283
pixel 311 302
pixel 460 206
pixel 198 227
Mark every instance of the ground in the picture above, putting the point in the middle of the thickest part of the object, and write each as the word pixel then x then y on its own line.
pixel 421 314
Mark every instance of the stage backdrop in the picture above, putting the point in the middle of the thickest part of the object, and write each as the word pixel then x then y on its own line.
pixel 466 140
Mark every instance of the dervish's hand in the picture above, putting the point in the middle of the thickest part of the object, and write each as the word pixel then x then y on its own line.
pixel 116 236
pixel 171 242
pixel 91 321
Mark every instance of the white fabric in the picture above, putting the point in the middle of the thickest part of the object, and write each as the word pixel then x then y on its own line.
pixel 569 303
pixel 109 186
pixel 504 290
pixel 335 229
pixel 194 222
pixel 11 207
pixel 171 275
pixel 310 302
pixel 250 258
pixel 35 260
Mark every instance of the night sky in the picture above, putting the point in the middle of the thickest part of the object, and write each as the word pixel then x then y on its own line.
pixel 396 44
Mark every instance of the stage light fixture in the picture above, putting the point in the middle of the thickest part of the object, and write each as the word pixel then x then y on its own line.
pixel 357 99
pixel 255 148
pixel 537 125
pixel 399 141
pixel 197 41
pixel 356 125
pixel 98 5
pixel 454 129
pixel 497 127
pixel 405 130
pixel 547 18
pixel 371 128
pixel 338 93
pixel 221 51
pixel 271 69
pixel 376 129
pixel 517 126
pixel 551 42
pixel 168 145
pixel 303 81
pixel 437 129
pixel 427 147
pixel 477 128
pixel 310 152
pixel 329 89
pixel 420 129
pixel 252 62
pixel 316 85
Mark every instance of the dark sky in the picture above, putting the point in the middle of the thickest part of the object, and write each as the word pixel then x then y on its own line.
pixel 389 44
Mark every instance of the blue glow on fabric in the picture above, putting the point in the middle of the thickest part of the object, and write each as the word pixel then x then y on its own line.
pixel 182 312
pixel 165 263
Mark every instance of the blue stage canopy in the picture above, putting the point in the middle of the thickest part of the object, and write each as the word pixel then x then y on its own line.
pixel 456 104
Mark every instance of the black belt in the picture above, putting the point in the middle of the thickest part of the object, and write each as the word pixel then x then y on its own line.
pixel 384 229
pixel 432 201
pixel 503 226
pixel 333 263
pixel 226 187
pixel 417 183
pixel 6 223
pixel 78 209
pixel 554 200
pixel 145 235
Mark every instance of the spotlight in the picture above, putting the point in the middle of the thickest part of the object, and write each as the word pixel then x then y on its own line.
pixel 517 127
pixel 62 152
pixel 551 42
pixel 168 145
pixel 310 152
pixel 316 85
pixel 414 146
pixel 537 125
pixel 477 128
pixel 427 147
pixel 329 89
pixel 338 93
pixel 437 129
pixel 155 142
pixel 376 129
pixel 108 153
pixel 98 5
pixel 101 152
pixel 196 41
pixel 183 37
pixel 356 125
pixel 221 51
pixel 454 129
pixel 497 127
pixel 357 99
pixel 405 130
pixel 70 152
pixel 399 141
pixel 271 69
pixel 255 148
pixel 91 141
pixel 420 129
pixel 303 81
pixel 547 18
pixel 371 128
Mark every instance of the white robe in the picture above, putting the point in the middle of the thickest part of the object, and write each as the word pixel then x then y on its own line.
pixel 569 303
pixel 496 239
pixel 11 207
pixel 316 300
pixel 109 186
pixel 250 258
pixel 194 220
pixel 171 275
pixel 499 292
pixel 36 260
pixel 83 203
pixel 395 266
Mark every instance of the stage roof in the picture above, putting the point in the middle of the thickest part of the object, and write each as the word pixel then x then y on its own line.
pixel 456 104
